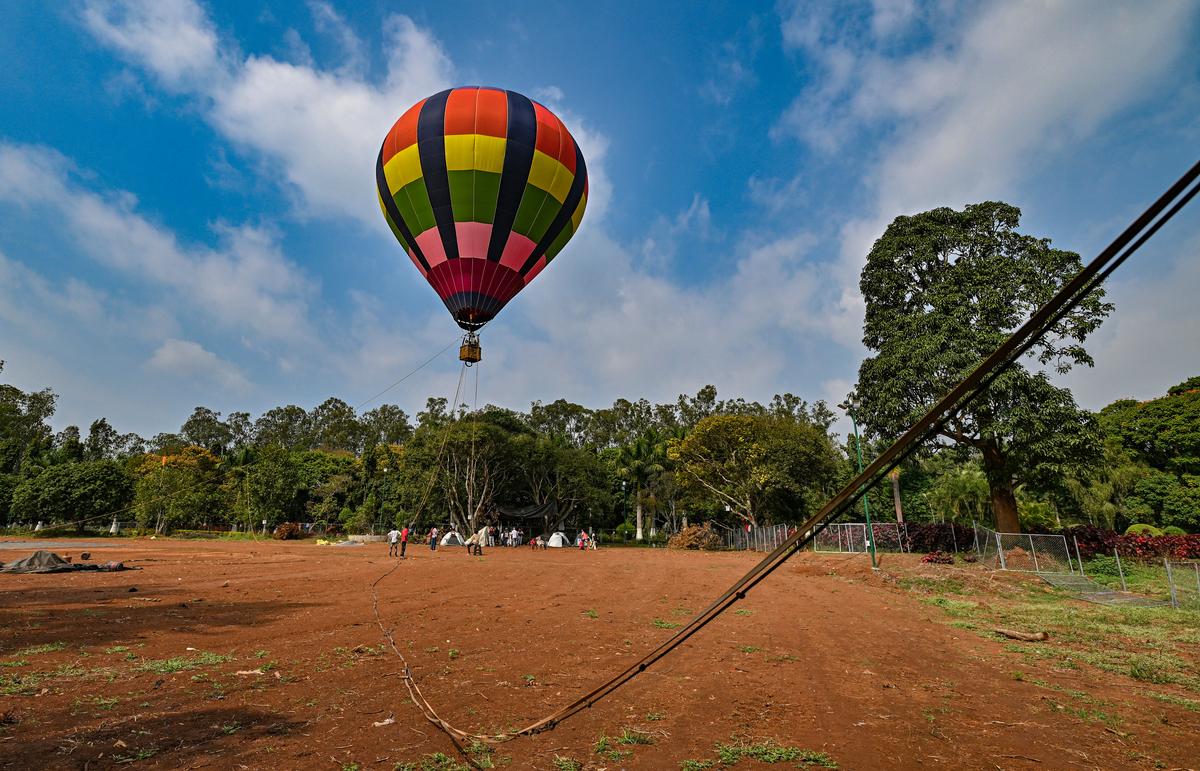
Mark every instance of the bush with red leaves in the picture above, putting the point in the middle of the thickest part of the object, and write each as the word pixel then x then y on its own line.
pixel 938 558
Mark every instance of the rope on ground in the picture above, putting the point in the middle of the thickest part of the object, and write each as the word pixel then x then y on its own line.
pixel 970 387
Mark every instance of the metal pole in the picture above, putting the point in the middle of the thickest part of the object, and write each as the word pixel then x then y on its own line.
pixel 1196 567
pixel 866 506
pixel 1000 551
pixel 1171 583
pixel 1120 570
pixel 1033 551
pixel 1076 540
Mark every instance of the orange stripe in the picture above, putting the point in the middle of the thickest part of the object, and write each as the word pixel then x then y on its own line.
pixel 403 133
pixel 460 111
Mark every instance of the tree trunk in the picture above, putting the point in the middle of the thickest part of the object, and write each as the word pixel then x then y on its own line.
pixel 637 492
pixel 895 475
pixel 1000 481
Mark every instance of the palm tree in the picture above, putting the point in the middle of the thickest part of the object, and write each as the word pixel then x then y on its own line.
pixel 640 462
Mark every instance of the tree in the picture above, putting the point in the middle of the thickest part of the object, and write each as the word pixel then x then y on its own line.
pixel 336 427
pixel 74 492
pixel 205 429
pixel 386 424
pixel 103 441
pixel 942 290
pixel 25 431
pixel 289 427
pixel 273 489
pixel 758 466
pixel 640 462
pixel 177 490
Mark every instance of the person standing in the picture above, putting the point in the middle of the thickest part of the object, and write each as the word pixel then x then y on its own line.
pixel 433 535
pixel 403 541
pixel 393 537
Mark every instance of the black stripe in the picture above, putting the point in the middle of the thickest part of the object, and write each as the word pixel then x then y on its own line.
pixel 518 158
pixel 389 205
pixel 564 214
pixel 431 146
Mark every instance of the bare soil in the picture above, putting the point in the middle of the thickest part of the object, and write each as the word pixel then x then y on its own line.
pixel 825 655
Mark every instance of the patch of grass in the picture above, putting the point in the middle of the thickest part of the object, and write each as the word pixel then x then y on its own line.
pixel 105 702
pixel 437 761
pixel 605 749
pixel 117 649
pixel 654 716
pixel 696 765
pixel 261 654
pixel 14 663
pixel 771 752
pixel 1149 669
pixel 634 737
pixel 739 612
pixel 481 754
pixel 453 653
pixel 566 764
pixel 749 649
pixel 591 613
pixel 145 753
pixel 181 663
pixel 661 624
pixel 528 679
pixel 36 650
pixel 1179 701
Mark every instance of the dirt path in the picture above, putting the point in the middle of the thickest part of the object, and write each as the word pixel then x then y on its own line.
pixel 845 663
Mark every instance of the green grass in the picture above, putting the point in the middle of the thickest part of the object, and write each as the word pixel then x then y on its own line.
pixel 749 649
pixel 743 612
pixel 634 737
pixel 604 748
pixel 591 613
pixel 1179 701
pixel 654 716
pixel 661 624
pixel 117 649
pixel 14 663
pixel 36 650
pixel 566 764
pixel 437 761
pixel 764 752
pixel 179 664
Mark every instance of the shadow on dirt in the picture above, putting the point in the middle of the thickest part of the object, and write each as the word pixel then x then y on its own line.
pixel 170 740
pixel 112 615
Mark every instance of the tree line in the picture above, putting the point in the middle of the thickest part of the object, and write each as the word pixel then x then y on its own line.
pixel 942 289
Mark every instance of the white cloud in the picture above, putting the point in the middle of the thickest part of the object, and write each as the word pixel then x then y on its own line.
pixel 320 130
pixel 246 284
pixel 188 360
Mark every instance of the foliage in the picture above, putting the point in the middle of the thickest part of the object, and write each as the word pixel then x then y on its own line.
pixel 177 490
pixel 938 558
pixel 942 290
pixel 73 492
pixel 1140 529
pixel 760 467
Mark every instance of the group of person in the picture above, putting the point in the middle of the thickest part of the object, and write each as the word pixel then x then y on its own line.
pixel 490 536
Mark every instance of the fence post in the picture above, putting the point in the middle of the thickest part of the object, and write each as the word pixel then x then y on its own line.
pixel 975 530
pixel 1196 567
pixel 1171 583
pixel 1033 552
pixel 1076 540
pixel 1000 551
pixel 954 538
pixel 1120 570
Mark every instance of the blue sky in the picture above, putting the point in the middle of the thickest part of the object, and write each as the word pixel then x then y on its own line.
pixel 187 208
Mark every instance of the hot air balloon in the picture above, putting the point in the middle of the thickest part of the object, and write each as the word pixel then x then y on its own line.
pixel 482 187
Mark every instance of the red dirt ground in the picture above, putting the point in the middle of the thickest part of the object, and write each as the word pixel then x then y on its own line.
pixel 843 663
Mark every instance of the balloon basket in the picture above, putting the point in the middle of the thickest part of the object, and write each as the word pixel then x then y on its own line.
pixel 470 352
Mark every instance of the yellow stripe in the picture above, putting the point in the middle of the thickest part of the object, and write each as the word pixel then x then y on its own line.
pixel 404 167
pixel 550 175
pixel 577 217
pixel 474 152
pixel 489 153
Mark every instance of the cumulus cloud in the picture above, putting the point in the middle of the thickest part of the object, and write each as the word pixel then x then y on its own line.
pixel 246 284
pixel 189 360
pixel 320 130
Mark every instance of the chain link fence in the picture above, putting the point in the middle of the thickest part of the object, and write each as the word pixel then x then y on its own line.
pixel 851 538
pixel 1028 552
pixel 1183 579
pixel 765 538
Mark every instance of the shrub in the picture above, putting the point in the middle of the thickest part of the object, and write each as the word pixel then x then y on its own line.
pixel 938 558
pixel 935 536
pixel 288 531
pixel 1140 529
pixel 1101 565
pixel 1173 530
pixel 695 537
pixel 626 531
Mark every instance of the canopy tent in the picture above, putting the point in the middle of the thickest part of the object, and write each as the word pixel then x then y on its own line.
pixel 559 541
pixel 452 539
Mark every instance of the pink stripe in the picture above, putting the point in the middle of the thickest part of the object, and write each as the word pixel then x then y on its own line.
pixel 536 269
pixel 431 244
pixel 416 262
pixel 516 251
pixel 473 238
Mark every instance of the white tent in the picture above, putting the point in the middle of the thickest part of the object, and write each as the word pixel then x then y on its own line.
pixel 452 539
pixel 559 541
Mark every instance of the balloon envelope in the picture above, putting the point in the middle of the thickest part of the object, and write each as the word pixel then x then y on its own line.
pixel 482 187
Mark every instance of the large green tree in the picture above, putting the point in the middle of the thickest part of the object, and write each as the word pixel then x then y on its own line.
pixel 73 492
pixel 942 290
pixel 761 467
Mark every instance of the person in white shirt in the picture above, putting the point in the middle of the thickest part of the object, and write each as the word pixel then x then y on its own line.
pixel 393 537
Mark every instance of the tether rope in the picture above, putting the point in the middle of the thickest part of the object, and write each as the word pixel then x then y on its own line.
pixel 1007 353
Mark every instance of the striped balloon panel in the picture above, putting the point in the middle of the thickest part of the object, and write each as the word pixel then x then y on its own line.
pixel 483 188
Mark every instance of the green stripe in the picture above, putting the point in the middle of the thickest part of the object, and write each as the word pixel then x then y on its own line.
pixel 418 202
pixel 462 194
pixel 556 246
pixel 487 192
pixel 536 213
